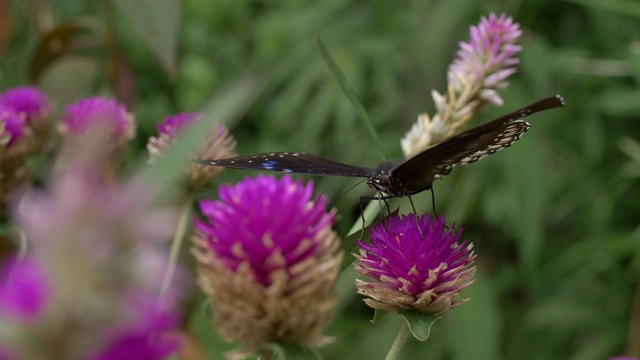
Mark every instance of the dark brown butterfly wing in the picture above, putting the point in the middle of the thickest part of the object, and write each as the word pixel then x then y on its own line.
pixel 418 173
pixel 290 162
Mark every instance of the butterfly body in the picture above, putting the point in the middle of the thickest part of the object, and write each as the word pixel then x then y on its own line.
pixel 414 175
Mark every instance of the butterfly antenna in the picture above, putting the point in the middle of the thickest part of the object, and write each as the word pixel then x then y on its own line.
pixel 346 191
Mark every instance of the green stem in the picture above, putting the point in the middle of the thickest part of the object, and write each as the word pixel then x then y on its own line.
pixel 398 343
pixel 176 245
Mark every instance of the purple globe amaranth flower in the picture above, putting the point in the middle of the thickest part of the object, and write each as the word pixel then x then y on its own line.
pixel 269 260
pixel 481 68
pixel 24 290
pixel 488 59
pixel 28 100
pixel 415 263
pixel 219 144
pixel 101 113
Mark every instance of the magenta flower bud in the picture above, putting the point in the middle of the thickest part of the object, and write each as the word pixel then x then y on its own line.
pixel 415 263
pixel 269 260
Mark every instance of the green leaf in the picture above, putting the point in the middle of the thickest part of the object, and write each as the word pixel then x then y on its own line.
pixel 351 95
pixel 156 23
pixel 292 352
pixel 419 323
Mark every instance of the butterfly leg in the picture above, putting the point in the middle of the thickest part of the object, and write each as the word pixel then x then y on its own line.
pixel 416 213
pixel 362 208
pixel 433 206
pixel 383 198
pixel 412 205
pixel 433 202
pixel 361 204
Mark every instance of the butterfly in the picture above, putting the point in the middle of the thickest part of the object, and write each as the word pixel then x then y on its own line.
pixel 398 179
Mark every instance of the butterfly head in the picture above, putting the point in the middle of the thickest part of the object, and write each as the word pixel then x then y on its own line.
pixel 382 179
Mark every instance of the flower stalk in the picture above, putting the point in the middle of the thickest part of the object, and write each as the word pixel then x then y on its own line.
pixel 398 343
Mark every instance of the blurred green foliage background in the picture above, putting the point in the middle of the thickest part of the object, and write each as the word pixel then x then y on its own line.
pixel 554 219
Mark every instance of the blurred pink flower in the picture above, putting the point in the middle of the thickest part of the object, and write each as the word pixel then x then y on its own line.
pixel 33 103
pixel 218 144
pixel 12 126
pixel 24 289
pixel 104 248
pixel 173 125
pixel 106 113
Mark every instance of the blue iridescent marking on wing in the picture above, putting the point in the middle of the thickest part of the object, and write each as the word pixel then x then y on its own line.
pixel 269 165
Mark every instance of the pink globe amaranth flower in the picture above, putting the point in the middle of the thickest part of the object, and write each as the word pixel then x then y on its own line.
pixel 415 263
pixel 24 290
pixel 269 260
pixel 219 144
pixel 488 59
pixel 103 113
pixel 27 100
